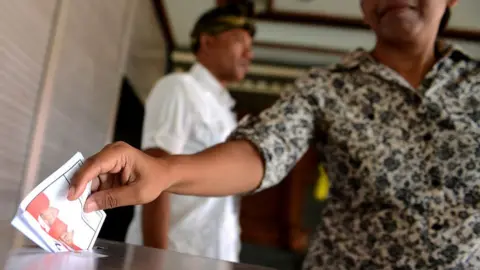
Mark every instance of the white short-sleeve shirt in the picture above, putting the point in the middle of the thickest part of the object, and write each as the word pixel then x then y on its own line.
pixel 184 114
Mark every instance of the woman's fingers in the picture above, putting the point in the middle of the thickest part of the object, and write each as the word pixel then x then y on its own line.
pixel 111 160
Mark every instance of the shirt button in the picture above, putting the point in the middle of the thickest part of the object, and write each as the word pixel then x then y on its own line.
pixel 437 227
pixel 416 100
pixel 427 137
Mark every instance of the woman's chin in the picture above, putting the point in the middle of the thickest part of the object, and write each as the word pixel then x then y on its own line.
pixel 401 34
pixel 400 26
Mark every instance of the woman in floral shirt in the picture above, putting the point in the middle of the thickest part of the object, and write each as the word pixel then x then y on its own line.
pixel 399 129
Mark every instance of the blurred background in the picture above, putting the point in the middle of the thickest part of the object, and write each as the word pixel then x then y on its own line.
pixel 74 75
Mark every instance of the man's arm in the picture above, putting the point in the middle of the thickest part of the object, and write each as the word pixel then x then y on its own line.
pixel 167 124
pixel 155 222
pixel 156 214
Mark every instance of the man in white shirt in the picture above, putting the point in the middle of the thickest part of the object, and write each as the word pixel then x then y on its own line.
pixel 184 114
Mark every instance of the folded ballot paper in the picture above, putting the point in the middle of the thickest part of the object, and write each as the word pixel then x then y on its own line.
pixel 53 222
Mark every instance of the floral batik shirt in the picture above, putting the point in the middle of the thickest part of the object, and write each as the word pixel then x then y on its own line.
pixel 403 161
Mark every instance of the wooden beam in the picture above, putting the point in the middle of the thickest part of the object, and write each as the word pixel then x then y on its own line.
pixel 164 21
pixel 340 21
pixel 468 35
pixel 300 48
pixel 312 19
pixel 348 22
pixel 270 5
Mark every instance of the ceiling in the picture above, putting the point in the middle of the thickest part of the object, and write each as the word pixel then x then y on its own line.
pixel 310 32
pixel 292 36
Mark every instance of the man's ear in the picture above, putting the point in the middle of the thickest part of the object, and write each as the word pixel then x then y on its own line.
pixel 452 3
pixel 363 12
pixel 205 42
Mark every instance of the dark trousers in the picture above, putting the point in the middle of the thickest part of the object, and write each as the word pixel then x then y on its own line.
pixel 116 223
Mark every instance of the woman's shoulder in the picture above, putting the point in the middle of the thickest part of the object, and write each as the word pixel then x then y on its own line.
pixel 319 75
pixel 349 61
pixel 457 56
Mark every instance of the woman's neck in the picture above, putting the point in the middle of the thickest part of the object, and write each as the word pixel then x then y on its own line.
pixel 411 61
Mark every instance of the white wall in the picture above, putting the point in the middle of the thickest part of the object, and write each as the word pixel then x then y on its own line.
pixel 25 34
pixel 183 14
pixel 82 78
pixel 147 55
pixel 61 64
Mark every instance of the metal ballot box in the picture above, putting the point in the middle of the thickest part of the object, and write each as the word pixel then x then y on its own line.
pixel 107 255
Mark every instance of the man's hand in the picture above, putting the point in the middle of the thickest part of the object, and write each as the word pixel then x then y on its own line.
pixel 121 175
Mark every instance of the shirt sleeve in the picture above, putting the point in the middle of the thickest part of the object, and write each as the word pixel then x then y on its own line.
pixel 168 116
pixel 282 133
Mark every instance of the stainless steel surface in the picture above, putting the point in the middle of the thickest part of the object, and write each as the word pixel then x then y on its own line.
pixel 107 255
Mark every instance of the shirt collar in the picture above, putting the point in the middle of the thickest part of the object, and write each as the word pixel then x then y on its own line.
pixel 363 59
pixel 211 84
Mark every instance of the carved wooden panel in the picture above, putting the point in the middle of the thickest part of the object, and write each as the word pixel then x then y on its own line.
pixel 274 217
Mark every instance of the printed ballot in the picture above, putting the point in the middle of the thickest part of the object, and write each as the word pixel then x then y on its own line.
pixel 53 222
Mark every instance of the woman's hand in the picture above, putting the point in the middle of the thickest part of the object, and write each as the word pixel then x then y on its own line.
pixel 121 175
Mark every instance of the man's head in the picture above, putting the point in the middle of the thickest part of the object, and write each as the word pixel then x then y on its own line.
pixel 67 237
pixel 222 41
pixel 49 215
